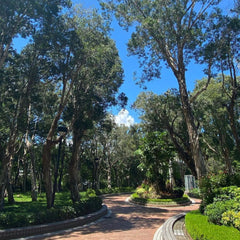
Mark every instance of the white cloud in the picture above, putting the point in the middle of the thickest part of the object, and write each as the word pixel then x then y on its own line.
pixel 123 118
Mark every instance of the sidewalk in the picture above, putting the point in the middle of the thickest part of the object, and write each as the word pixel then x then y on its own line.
pixel 126 222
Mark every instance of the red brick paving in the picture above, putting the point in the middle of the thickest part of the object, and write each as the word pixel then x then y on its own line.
pixel 127 222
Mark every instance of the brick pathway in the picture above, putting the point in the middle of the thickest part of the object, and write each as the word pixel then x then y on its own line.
pixel 127 222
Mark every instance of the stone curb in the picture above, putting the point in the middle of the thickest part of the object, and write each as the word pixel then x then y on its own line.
pixel 165 232
pixel 14 233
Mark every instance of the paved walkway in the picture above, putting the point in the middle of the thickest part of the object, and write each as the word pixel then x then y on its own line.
pixel 127 222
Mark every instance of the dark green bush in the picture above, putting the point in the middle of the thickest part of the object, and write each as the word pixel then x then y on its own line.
pixel 12 219
pixel 210 185
pixel 85 206
pixel 42 215
pixel 178 193
pixel 215 210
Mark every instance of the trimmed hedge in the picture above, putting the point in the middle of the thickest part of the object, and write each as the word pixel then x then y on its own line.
pixel 199 228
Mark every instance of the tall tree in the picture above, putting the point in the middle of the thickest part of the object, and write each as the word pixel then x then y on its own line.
pixel 96 87
pixel 167 31
pixel 20 18
pixel 223 50
pixel 164 113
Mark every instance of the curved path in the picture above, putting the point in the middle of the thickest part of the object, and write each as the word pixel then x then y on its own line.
pixel 127 222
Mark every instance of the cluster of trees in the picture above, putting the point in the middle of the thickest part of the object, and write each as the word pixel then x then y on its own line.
pixel 175 33
pixel 69 73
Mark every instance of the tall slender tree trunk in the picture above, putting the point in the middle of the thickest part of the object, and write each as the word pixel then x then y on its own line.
pixel 74 169
pixel 191 127
pixel 47 176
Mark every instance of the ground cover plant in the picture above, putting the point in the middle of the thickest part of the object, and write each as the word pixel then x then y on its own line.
pixel 24 212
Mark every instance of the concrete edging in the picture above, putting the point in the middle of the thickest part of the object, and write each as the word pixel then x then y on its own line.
pixel 165 232
pixel 13 233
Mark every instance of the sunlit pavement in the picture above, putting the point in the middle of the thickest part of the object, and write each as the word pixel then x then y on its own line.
pixel 126 222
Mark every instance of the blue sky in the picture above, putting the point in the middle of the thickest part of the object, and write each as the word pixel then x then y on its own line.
pixel 130 65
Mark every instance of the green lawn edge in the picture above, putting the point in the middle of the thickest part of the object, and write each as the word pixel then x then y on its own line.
pixel 199 228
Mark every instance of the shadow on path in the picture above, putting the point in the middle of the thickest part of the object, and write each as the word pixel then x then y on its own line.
pixel 127 221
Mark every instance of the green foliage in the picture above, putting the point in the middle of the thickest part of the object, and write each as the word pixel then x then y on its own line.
pixel 194 193
pixel 199 228
pixel 156 152
pixel 225 207
pixel 213 185
pixel 25 212
pixel 90 192
pixel 231 218
pixel 215 210
pixel 115 190
pixel 165 201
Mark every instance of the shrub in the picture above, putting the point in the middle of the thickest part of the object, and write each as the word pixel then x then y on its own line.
pixel 178 193
pixel 215 210
pixel 31 213
pixel 231 218
pixel 194 193
pixel 142 193
pixel 225 207
pixel 210 186
pixel 85 206
pixel 90 193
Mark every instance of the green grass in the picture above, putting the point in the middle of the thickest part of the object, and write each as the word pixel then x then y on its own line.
pixel 199 228
pixel 24 212
pixel 135 197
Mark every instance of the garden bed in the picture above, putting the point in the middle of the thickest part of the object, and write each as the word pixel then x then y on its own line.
pixel 159 201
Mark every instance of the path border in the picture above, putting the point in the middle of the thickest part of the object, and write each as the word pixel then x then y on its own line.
pixel 165 232
pixel 21 232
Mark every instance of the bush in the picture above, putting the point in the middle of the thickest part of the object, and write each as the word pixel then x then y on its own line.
pixel 35 213
pixel 90 193
pixel 85 206
pixel 215 210
pixel 194 193
pixel 199 228
pixel 231 218
pixel 210 186
pixel 225 207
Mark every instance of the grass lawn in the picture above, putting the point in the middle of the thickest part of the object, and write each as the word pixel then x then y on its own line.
pixel 24 212
pixel 199 228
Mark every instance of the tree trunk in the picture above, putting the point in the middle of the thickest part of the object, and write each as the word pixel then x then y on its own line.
pixel 34 191
pixel 184 154
pixel 61 167
pixel 47 176
pixel 73 168
pixel 192 129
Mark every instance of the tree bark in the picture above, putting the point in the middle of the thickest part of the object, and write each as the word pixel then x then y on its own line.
pixel 47 176
pixel 74 169
pixel 191 127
